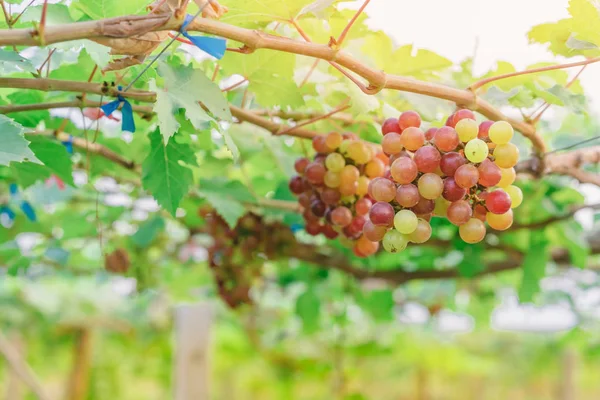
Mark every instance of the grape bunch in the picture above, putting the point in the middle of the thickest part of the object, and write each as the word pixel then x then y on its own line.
pixel 236 255
pixel 333 188
pixel 463 171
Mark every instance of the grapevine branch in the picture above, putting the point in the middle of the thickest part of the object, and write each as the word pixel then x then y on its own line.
pixel 13 108
pixel 556 218
pixel 127 26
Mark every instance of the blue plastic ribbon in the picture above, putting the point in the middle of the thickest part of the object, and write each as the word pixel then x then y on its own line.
pixel 5 210
pixel 127 123
pixel 69 144
pixel 28 211
pixel 296 227
pixel 13 189
pixel 214 46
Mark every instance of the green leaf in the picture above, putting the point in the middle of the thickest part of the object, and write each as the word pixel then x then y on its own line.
pixel 162 173
pixel 571 236
pixel 379 303
pixel 308 308
pixel 101 9
pixel 577 44
pixel 55 157
pixel 14 146
pixel 148 231
pixel 56 14
pixel 255 13
pixel 227 197
pixel 11 61
pixel 534 266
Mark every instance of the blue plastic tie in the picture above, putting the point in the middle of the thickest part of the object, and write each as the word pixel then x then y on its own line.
pixel 69 144
pixel 28 211
pixel 13 189
pixel 127 123
pixel 214 46
pixel 5 210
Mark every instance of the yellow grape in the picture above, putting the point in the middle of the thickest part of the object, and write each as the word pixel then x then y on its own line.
pixel 476 150
pixel 350 173
pixel 515 194
pixel 473 231
pixel 348 188
pixel 501 132
pixel 344 146
pixel 332 179
pixel 508 177
pixel 441 207
pixel 467 129
pixel 359 152
pixel 500 222
pixel 405 221
pixel 363 186
pixel 333 140
pixel 506 155
pixel 335 162
pixel 430 186
pixel 422 233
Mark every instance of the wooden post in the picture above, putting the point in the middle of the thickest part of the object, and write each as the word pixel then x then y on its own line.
pixel 567 388
pixel 79 380
pixel 14 388
pixel 192 333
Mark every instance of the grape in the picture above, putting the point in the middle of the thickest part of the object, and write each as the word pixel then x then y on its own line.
pixel 319 144
pixel 506 155
pixel 318 208
pixel 484 128
pixel 335 162
pixel 375 168
pixel 441 207
pixel 459 212
pixel 460 115
pixel 296 184
pixel 501 132
pixel 476 150
pixel 320 158
pixel 453 192
pixel 348 188
pixel 427 159
pixel 344 146
pixel 329 232
pixel 412 138
pixel 466 176
pixel 359 152
pixel 350 135
pixel 409 119
pixel 304 200
pixel 357 224
pixel 430 133
pixel 363 186
pixel 363 206
pixel 394 241
pixel 498 202
pixel 350 173
pixel 500 222
pixel 333 140
pixel 515 194
pixel 357 252
pixel 467 129
pixel 405 221
pixel 366 247
pixel 332 179
pixel 392 143
pixel 330 196
pixel 390 125
pixel 381 189
pixel 430 186
pixel 396 156
pixel 313 228
pixel 341 216
pixel 449 120
pixel 480 212
pixel 450 163
pixel 508 177
pixel 422 233
pixel 424 206
pixel 374 233
pixel 489 173
pixel 309 216
pixel 315 173
pixel 473 231
pixel 407 195
pixel 382 213
pixel 446 139
pixel 404 170
pixel 383 157
pixel 300 165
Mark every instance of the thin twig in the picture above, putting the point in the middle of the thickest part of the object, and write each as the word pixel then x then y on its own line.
pixel 338 109
pixel 235 85
pixel 310 71
pixel 342 36
pixel 14 21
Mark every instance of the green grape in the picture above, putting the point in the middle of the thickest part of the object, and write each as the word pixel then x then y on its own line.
pixel 501 132
pixel 405 221
pixel 476 150
pixel 467 129
pixel 506 155
pixel 515 194
pixel 394 241
pixel 335 162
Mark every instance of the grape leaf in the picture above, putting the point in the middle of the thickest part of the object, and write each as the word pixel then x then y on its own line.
pixel 379 303
pixel 14 146
pixel 148 231
pixel 534 266
pixel 56 161
pixel 227 197
pixel 163 175
pixel 257 13
pixel 101 9
pixel 308 308
pixel 11 61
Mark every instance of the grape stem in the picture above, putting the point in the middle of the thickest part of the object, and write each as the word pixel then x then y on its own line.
pixel 342 36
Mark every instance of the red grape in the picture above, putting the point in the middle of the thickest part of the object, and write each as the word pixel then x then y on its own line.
pixel 404 170
pixel 304 200
pixel 374 233
pixel 459 212
pixel 363 206
pixel 424 206
pixel 489 173
pixel 313 228
pixel 329 232
pixel 390 125
pixel 341 216
pixel 409 119
pixel 318 208
pixel 315 173
pixel 427 159
pixel 309 216
pixel 381 189
pixel 453 192
pixel 461 114
pixel 498 202
pixel 382 214
pixel 430 133
pixel 479 212
pixel 375 168
pixel 484 129
pixel 466 176
pixel 320 145
pixel 333 140
pixel 396 156
pixel 348 188
pixel 446 139
pixel 300 165
pixel 407 195
pixel 296 184
pixel 330 196
pixel 357 223
pixel 350 135
pixel 392 143
pixel 450 163
pixel 366 247
pixel 412 138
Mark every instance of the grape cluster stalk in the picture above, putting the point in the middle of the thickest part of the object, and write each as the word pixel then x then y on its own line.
pixel 462 171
